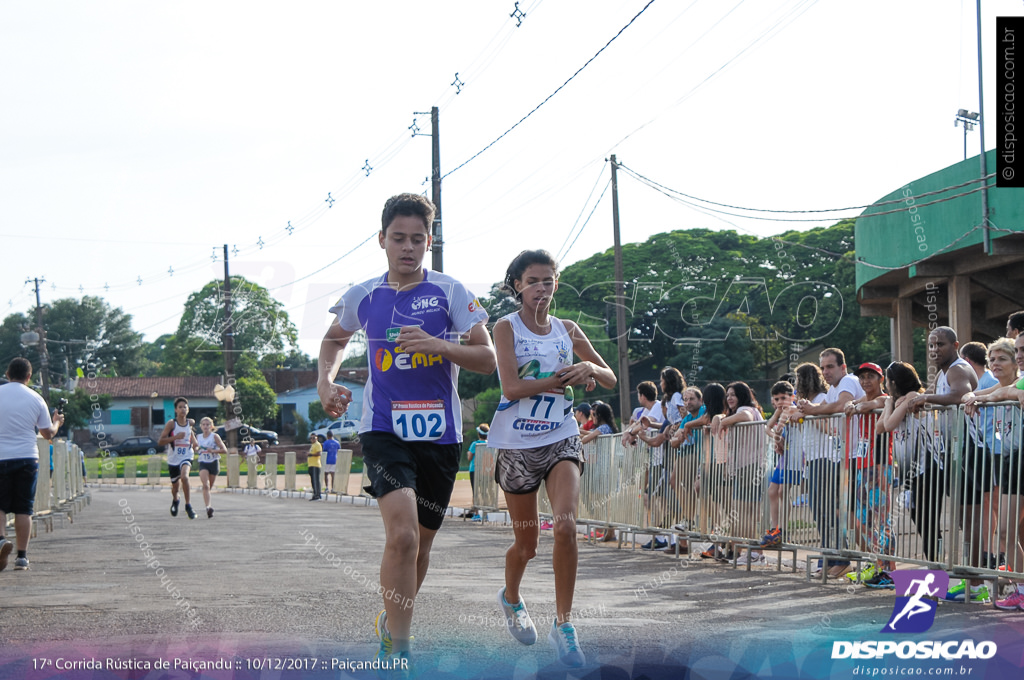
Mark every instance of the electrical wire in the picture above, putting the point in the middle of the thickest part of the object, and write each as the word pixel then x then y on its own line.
pixel 546 99
pixel 608 184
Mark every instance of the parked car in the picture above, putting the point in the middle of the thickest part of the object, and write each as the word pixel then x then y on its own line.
pixel 268 436
pixel 344 430
pixel 135 446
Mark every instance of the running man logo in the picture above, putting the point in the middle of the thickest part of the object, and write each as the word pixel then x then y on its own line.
pixel 384 360
pixel 912 613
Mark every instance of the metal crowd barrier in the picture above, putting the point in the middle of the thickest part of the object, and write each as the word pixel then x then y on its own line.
pixel 60 485
pixel 926 494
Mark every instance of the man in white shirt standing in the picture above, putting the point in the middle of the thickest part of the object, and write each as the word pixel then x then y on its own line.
pixel 824 472
pixel 21 412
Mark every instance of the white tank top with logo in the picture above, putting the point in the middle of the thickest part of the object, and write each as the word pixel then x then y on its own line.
pixel 180 450
pixel 544 418
pixel 211 455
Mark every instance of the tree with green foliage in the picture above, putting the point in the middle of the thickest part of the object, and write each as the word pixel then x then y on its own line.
pixel 317 414
pixel 718 305
pixel 257 399
pixel 84 334
pixel 259 324
pixel 81 407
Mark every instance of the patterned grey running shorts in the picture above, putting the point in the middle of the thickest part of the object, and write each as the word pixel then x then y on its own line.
pixel 520 471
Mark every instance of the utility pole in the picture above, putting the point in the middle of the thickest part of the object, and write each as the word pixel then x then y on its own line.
pixel 229 353
pixel 437 247
pixel 437 251
pixel 620 303
pixel 986 234
pixel 44 356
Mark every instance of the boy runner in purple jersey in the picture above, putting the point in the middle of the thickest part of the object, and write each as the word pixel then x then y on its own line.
pixel 421 327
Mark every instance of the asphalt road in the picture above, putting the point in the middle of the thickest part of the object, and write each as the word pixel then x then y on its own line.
pixel 269 583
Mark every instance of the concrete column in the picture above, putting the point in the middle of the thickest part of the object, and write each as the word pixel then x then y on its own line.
pixel 42 500
pixel 343 473
pixel 250 481
pixel 153 472
pixel 234 464
pixel 903 327
pixel 130 471
pixel 289 470
pixel 960 308
pixel 270 472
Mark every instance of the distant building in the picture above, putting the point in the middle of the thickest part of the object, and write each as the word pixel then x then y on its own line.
pixel 141 406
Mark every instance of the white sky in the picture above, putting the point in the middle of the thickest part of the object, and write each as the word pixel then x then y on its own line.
pixel 135 137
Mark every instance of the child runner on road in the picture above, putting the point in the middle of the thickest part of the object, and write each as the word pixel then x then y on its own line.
pixel 180 442
pixel 421 326
pixel 537 438
pixel 210 448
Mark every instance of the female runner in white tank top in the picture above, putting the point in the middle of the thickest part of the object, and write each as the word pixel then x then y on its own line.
pixel 538 439
pixel 210 447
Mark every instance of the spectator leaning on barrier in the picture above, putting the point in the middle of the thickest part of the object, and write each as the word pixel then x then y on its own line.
pixel 584 417
pixel 976 354
pixel 823 473
pixel 744 459
pixel 1014 325
pixel 650 408
pixel 788 467
pixel 870 473
pixel 955 379
pixel 1002 438
pixel 21 412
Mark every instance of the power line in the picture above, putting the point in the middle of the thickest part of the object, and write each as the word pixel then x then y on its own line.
pixel 557 90
pixel 584 225
pixel 600 173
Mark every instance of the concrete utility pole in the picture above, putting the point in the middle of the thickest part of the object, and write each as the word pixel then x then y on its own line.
pixel 620 304
pixel 228 340
pixel 437 251
pixel 44 356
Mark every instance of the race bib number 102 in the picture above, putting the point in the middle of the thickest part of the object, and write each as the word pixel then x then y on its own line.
pixel 418 421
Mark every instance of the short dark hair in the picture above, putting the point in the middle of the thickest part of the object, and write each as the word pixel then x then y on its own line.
pixel 976 352
pixel 946 331
pixel 19 369
pixel 782 387
pixel 836 352
pixel 408 205
pixel 180 399
pixel 1016 321
pixel 648 390
pixel 330 434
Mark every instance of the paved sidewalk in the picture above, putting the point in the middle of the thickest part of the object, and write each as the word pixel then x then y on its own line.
pixel 289 578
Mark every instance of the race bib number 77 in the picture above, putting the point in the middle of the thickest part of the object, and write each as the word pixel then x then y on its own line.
pixel 418 421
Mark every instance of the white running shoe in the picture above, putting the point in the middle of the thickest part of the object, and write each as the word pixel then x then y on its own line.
pixel 517 620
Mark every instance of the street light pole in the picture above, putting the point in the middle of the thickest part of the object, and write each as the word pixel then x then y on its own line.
pixel 968 119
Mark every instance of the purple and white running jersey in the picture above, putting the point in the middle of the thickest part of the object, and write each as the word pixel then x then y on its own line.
pixel 411 395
